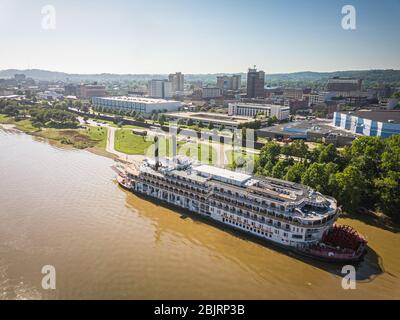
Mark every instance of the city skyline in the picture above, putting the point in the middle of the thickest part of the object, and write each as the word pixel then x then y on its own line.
pixel 160 37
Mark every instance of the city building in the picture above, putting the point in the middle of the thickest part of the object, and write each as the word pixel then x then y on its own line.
pixel 255 83
pixel 313 130
pixel 177 80
pixel 50 95
pixel 381 123
pixel 252 109
pixel 344 85
pixel 293 93
pixel 312 98
pixel 229 82
pixel 211 93
pixel 138 104
pixel 161 89
pixel 70 90
pixel 205 118
pixel 88 91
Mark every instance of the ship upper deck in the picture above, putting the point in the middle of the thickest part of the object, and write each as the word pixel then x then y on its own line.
pixel 238 184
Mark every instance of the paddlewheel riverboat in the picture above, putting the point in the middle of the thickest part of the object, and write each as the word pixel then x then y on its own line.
pixel 285 213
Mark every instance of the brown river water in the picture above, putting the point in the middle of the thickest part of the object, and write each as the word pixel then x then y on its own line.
pixel 62 207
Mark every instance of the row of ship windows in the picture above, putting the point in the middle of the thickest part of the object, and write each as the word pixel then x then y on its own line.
pixel 241 197
pixel 271 204
pixel 294 236
pixel 173 180
pixel 294 229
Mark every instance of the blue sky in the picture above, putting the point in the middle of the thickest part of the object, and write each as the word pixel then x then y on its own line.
pixel 199 36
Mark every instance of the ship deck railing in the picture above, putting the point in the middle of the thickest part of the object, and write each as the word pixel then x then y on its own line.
pixel 268 215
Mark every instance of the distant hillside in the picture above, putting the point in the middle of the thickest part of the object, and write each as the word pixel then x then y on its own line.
pixel 369 76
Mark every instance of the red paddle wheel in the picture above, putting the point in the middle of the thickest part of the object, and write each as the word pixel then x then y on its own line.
pixel 340 244
pixel 344 237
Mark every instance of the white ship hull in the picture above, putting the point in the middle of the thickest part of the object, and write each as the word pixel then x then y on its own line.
pixel 265 231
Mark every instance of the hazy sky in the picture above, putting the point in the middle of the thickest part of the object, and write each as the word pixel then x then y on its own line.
pixel 199 36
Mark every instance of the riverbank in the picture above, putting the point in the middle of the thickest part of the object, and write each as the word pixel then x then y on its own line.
pixel 128 146
pixel 79 138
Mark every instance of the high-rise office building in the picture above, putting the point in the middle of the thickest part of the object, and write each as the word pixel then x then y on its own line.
pixel 255 83
pixel 229 82
pixel 177 80
pixel 88 91
pixel 160 89
pixel 337 84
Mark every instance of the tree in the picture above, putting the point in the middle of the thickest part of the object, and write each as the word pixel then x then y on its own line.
pixel 295 172
pixel 350 183
pixel 269 153
pixel 280 169
pixel 162 119
pixel 390 159
pixel 366 153
pixel 388 189
pixel 318 176
pixel 328 154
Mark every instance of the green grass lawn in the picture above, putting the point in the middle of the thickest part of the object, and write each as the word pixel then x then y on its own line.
pixel 98 134
pixel 129 143
pixel 202 152
pixel 4 118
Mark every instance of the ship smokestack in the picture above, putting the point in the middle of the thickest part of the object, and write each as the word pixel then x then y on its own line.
pixel 156 152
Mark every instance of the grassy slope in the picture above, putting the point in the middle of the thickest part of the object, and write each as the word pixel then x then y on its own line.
pixel 78 138
pixel 3 118
pixel 129 143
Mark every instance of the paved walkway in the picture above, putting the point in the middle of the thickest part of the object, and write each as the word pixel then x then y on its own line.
pixel 110 147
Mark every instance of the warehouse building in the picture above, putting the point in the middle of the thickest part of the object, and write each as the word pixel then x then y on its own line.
pixel 138 104
pixel 380 123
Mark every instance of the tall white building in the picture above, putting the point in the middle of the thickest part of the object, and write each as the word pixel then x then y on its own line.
pixel 252 109
pixel 229 82
pixel 177 80
pixel 211 92
pixel 161 89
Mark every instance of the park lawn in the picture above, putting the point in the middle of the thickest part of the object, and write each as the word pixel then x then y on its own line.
pixel 25 126
pixel 98 134
pixel 132 144
pixel 205 153
pixel 4 118
pixel 77 138
pixel 244 156
pixel 129 143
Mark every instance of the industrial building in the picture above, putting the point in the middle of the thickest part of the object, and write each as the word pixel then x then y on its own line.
pixel 218 120
pixel 252 109
pixel 313 130
pixel 381 123
pixel 138 104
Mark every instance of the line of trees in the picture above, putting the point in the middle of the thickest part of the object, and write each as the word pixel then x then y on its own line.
pixel 365 175
pixel 41 115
